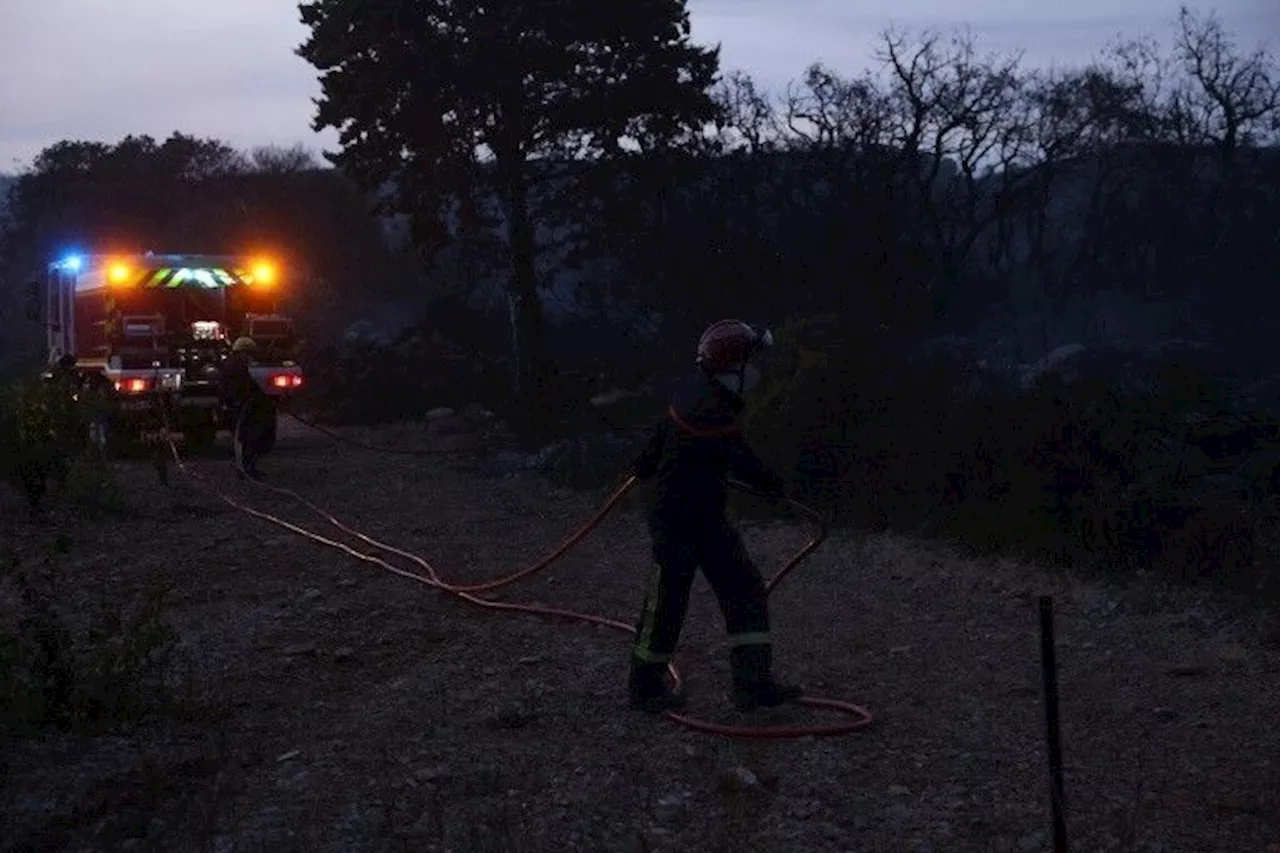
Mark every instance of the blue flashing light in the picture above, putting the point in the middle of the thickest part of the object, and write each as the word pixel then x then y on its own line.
pixel 72 262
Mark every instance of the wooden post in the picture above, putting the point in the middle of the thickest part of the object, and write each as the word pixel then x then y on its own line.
pixel 1049 668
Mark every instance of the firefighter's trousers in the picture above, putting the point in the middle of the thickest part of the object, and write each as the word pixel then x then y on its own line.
pixel 682 545
pixel 249 426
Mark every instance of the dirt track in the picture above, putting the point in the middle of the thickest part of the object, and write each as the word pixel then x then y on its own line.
pixel 353 710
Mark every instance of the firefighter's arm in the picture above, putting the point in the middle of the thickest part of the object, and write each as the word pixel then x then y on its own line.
pixel 746 466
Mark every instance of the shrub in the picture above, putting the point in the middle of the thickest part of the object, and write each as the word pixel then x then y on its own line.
pixel 44 429
pixel 54 677
pixel 1093 473
pixel 367 382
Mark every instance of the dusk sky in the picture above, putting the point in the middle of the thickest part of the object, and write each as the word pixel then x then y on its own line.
pixel 101 69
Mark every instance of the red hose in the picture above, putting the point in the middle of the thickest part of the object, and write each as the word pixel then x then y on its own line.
pixel 861 717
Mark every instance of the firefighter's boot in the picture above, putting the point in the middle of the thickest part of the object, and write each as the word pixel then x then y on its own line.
pixel 753 684
pixel 649 692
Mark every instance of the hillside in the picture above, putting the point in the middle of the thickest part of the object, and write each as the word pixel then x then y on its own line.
pixel 325 704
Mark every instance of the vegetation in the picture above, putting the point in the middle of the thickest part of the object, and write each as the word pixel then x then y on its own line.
pixel 54 676
pixel 477 95
pixel 1027 310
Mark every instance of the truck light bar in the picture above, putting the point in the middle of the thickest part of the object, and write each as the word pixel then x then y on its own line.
pixel 210 278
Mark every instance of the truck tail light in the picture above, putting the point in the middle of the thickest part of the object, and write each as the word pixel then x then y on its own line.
pixel 133 386
pixel 285 380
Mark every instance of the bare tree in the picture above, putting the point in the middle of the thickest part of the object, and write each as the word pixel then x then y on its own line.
pixel 961 125
pixel 829 112
pixel 842 126
pixel 275 160
pixel 1236 100
pixel 1059 118
pixel 748 120
pixel 1075 119
pixel 1139 95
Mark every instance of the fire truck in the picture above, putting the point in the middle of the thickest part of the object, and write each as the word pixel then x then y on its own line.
pixel 148 335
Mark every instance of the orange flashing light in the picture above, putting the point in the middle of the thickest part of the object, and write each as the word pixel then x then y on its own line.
pixel 118 274
pixel 264 274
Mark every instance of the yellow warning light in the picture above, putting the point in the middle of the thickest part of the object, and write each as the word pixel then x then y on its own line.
pixel 263 273
pixel 118 273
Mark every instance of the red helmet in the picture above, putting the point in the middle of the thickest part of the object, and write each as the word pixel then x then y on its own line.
pixel 726 344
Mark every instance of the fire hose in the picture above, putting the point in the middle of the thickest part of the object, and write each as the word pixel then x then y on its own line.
pixel 860 717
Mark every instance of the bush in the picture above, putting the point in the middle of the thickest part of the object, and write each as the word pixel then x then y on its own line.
pixel 866 442
pixel 362 381
pixel 52 677
pixel 44 429
pixel 1094 473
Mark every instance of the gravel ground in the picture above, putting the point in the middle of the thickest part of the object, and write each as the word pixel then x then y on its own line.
pixel 339 707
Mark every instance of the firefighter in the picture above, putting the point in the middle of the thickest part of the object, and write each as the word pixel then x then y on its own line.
pixel 70 429
pixel 65 367
pixel 248 406
pixel 691 454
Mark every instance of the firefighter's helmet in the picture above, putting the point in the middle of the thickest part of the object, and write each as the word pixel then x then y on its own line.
pixel 244 344
pixel 727 345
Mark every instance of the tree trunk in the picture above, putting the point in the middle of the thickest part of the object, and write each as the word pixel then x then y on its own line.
pixel 533 380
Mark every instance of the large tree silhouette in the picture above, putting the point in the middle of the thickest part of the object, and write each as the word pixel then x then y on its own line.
pixel 435 100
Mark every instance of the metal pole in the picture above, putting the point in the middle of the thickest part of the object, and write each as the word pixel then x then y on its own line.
pixel 1049 668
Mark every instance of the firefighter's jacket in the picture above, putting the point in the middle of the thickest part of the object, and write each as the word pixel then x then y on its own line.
pixel 237 385
pixel 695 449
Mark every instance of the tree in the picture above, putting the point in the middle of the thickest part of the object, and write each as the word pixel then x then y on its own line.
pixel 963 135
pixel 132 196
pixel 187 194
pixel 274 160
pixel 748 120
pixel 1238 101
pixel 440 101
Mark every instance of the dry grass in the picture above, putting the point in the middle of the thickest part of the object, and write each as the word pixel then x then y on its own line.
pixel 363 712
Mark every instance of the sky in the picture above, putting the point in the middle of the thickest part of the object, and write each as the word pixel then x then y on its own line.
pixel 102 69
